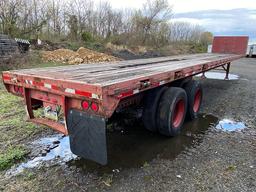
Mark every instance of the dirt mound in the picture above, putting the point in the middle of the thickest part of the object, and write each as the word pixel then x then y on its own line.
pixel 59 55
pixel 82 55
pixel 135 52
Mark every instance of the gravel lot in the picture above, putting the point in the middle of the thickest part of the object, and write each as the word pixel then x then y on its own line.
pixel 202 158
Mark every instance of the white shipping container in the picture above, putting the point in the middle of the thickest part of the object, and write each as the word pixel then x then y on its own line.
pixel 251 50
pixel 209 50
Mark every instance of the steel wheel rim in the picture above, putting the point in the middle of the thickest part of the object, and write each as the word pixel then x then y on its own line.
pixel 178 113
pixel 197 101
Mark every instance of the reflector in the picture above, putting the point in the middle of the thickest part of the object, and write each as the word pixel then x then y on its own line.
pixel 85 105
pixel 95 107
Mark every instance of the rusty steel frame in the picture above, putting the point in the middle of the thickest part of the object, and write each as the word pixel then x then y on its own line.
pixel 110 95
pixel 227 69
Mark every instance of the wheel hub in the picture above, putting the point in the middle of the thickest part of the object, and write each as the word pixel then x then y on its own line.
pixel 179 113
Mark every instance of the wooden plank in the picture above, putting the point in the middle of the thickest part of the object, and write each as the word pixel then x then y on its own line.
pixel 71 71
pixel 137 70
pixel 106 82
pixel 112 73
pixel 87 68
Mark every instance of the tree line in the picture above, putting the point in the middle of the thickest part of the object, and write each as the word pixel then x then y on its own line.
pixel 78 20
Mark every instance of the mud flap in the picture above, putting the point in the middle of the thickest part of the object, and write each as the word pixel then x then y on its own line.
pixel 87 136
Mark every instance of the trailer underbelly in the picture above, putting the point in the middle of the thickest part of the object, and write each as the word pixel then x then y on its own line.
pixel 104 88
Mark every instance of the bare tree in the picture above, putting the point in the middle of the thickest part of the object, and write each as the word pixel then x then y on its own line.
pixel 185 32
pixel 153 14
pixel 73 26
pixel 55 19
pixel 9 15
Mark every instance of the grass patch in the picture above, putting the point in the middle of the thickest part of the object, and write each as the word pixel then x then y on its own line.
pixel 9 103
pixel 11 156
pixel 13 116
pixel 28 175
pixel 15 130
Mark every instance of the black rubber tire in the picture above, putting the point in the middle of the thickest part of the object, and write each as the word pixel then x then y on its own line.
pixel 192 88
pixel 166 111
pixel 150 108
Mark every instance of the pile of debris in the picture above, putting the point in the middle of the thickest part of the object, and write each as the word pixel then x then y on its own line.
pixel 46 45
pixel 135 52
pixel 23 45
pixel 82 55
pixel 8 46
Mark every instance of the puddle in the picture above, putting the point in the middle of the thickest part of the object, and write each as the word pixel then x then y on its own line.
pixel 130 147
pixel 219 75
pixel 229 125
pixel 135 147
pixel 55 148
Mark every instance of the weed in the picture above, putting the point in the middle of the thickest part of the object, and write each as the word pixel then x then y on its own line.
pixel 11 156
pixel 145 165
pixel 107 179
pixel 231 168
pixel 29 176
pixel 147 178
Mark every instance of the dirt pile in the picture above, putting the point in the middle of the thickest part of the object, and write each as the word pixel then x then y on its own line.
pixel 82 55
pixel 129 53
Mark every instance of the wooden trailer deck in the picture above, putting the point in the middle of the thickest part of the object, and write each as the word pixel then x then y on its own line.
pixel 109 83
pixel 107 74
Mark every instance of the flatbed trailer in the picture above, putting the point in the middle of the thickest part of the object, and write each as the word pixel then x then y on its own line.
pixel 79 100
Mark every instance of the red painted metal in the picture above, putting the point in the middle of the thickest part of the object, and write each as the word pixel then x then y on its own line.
pixel 83 93
pixel 28 101
pixel 16 89
pixel 197 100
pixel 230 44
pixel 6 77
pixel 108 96
pixel 21 91
pixel 55 125
pixel 104 98
pixel 179 113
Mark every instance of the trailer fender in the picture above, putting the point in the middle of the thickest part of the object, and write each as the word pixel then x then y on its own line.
pixel 87 136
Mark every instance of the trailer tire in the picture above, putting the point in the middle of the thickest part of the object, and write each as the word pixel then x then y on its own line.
pixel 150 108
pixel 171 111
pixel 195 94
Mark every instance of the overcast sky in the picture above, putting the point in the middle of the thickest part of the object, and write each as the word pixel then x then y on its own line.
pixel 190 5
pixel 222 17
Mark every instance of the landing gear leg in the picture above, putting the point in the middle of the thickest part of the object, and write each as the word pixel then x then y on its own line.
pixel 203 76
pixel 227 71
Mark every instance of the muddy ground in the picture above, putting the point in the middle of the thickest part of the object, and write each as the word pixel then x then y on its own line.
pixel 202 158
